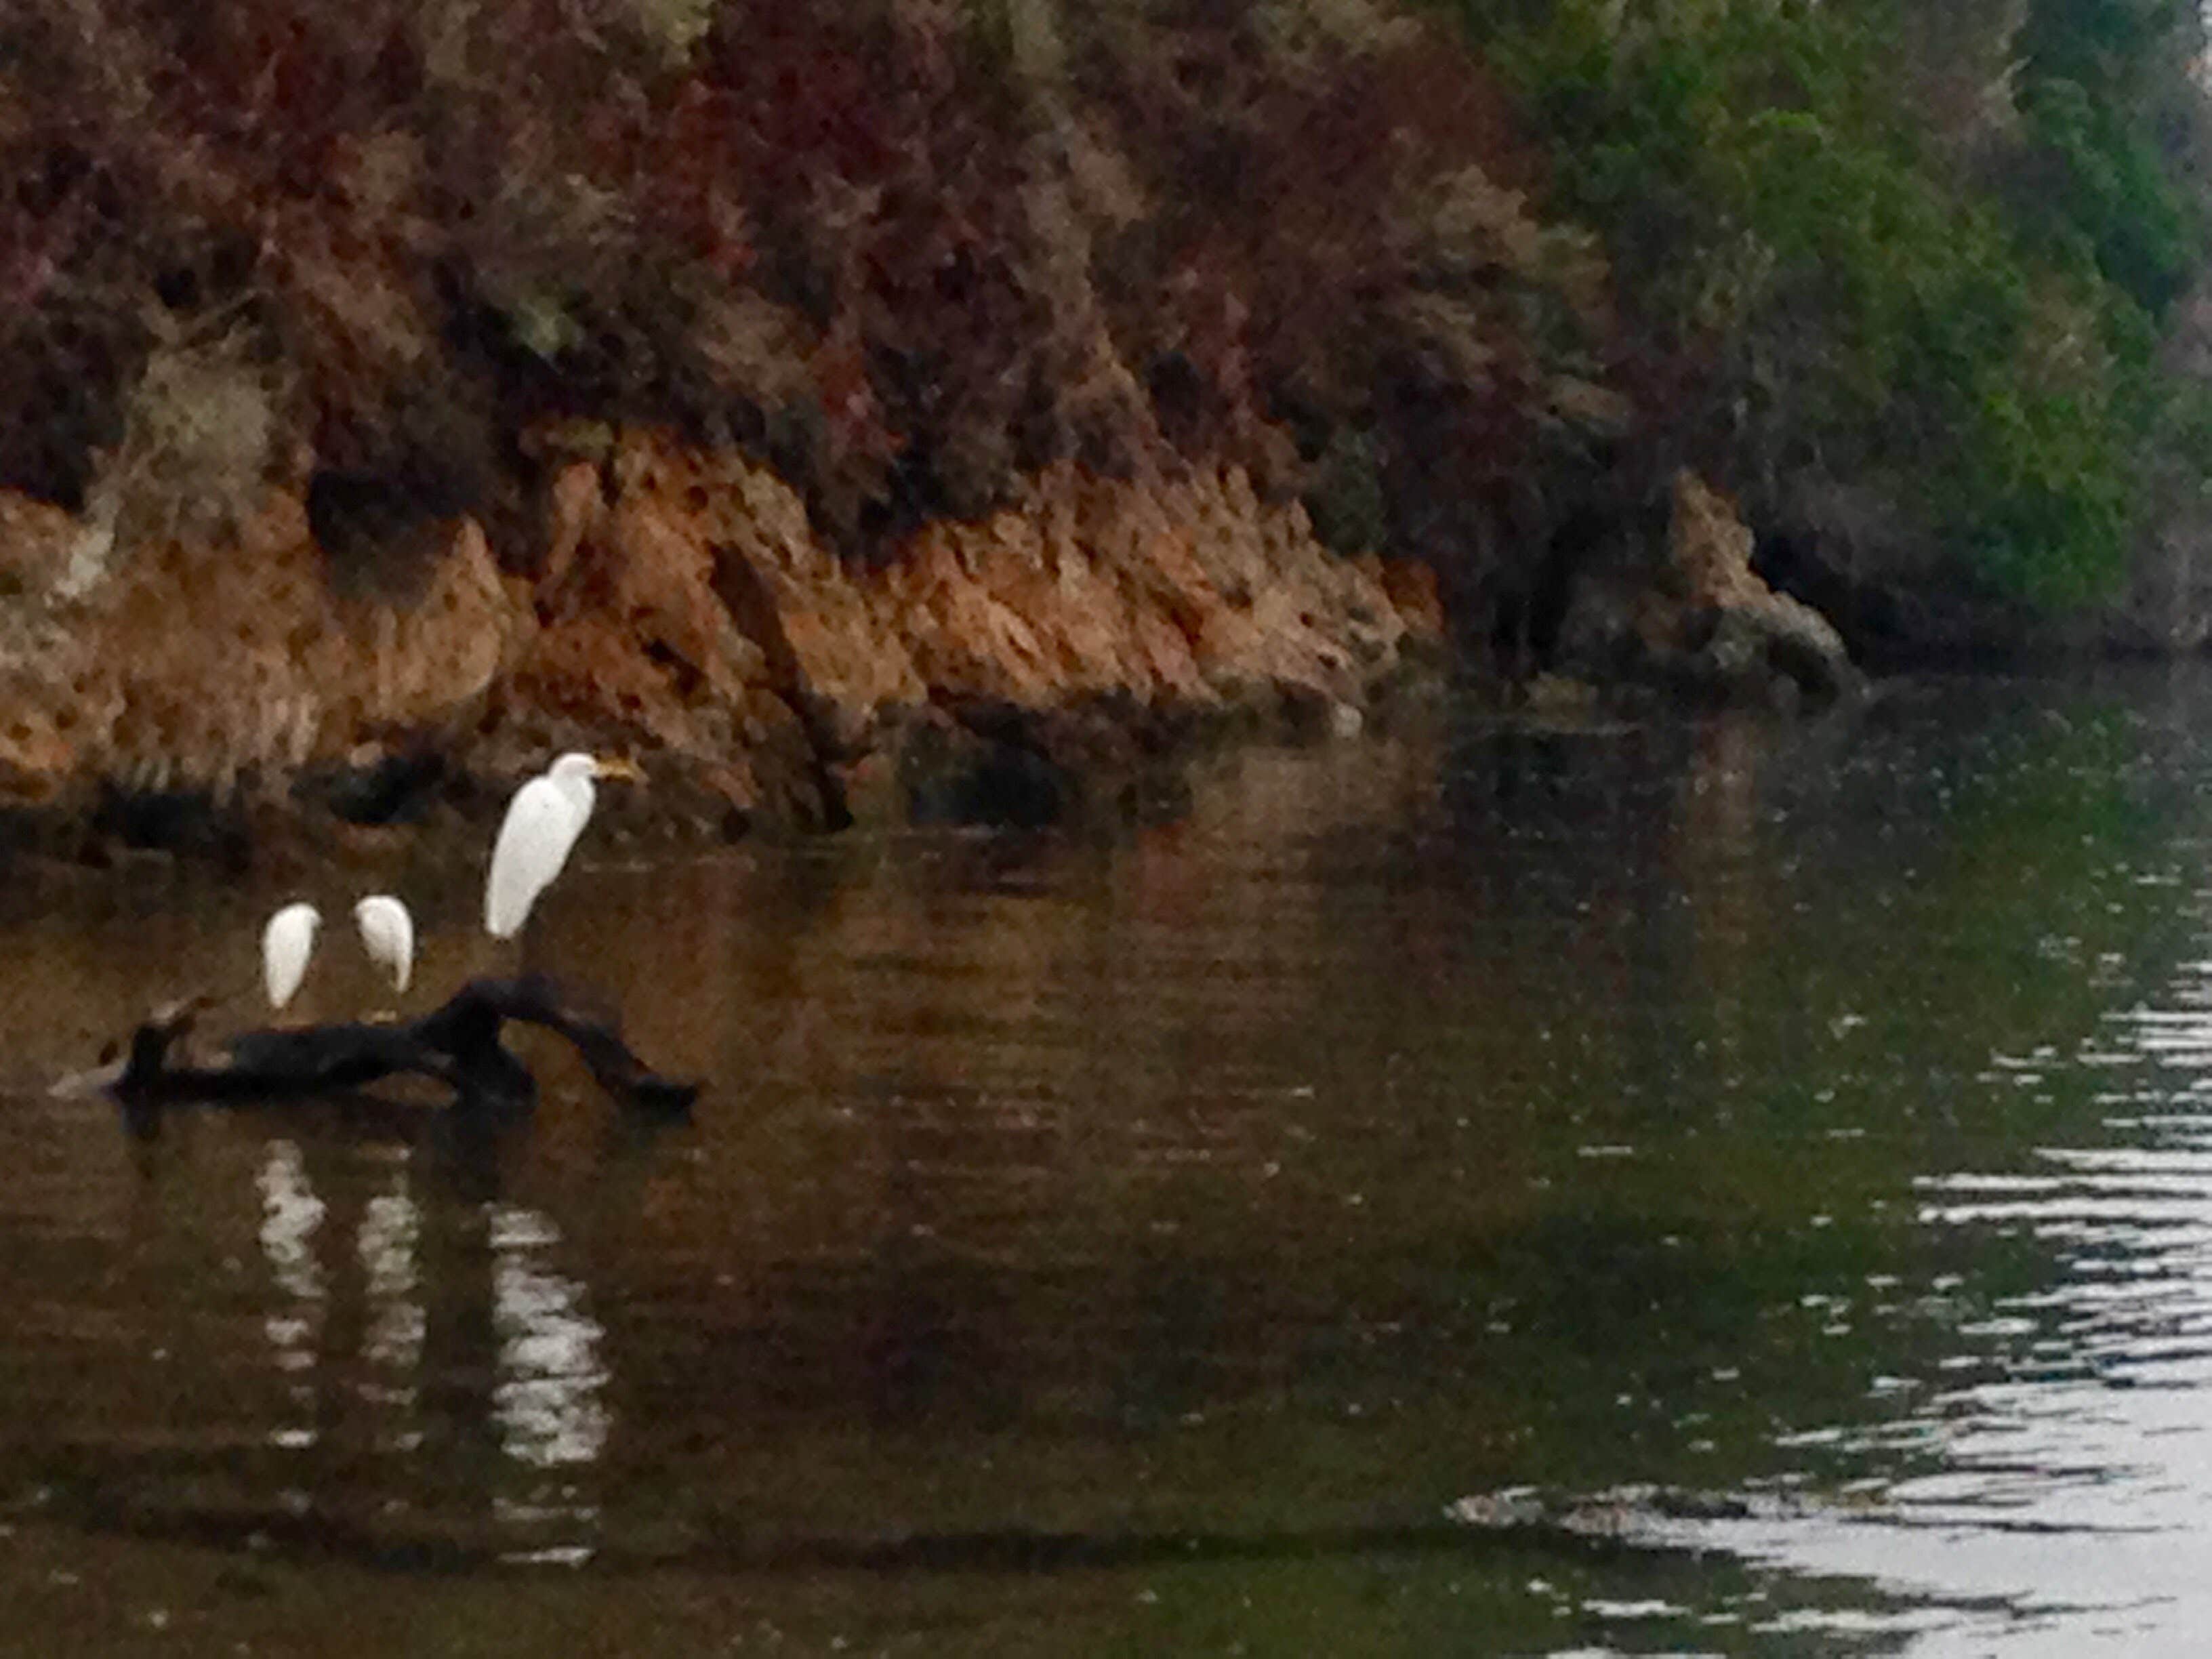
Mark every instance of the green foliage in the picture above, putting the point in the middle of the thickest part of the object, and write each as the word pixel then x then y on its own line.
pixel 2093 188
pixel 1858 308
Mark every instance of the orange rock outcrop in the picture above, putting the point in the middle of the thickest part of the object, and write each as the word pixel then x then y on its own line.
pixel 678 605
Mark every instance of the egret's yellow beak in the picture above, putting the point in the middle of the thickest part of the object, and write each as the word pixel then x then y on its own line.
pixel 616 767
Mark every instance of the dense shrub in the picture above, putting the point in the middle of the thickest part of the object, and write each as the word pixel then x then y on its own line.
pixel 1919 263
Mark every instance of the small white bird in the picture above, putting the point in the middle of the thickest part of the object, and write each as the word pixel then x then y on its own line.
pixel 387 933
pixel 543 822
pixel 286 943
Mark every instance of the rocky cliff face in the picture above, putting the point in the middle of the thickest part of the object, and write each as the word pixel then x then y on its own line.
pixel 675 604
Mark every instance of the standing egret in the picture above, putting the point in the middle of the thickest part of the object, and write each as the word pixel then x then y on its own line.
pixel 543 822
pixel 387 933
pixel 286 943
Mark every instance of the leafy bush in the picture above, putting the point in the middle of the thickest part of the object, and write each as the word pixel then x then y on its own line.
pixel 1844 301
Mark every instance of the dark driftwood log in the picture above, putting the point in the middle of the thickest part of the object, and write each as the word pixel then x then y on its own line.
pixel 457 1045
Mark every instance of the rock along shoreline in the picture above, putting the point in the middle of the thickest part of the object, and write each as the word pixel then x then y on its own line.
pixel 674 604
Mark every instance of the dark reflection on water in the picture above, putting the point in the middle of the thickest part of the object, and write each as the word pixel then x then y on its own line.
pixel 1707 1187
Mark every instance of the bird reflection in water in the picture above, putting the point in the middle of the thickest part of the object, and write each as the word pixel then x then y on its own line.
pixel 391 1225
pixel 290 1213
pixel 430 1334
pixel 549 1402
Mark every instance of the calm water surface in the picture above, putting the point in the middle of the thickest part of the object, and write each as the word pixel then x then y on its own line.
pixel 1477 1190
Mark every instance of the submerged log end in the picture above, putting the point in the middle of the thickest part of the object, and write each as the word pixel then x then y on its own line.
pixel 663 1097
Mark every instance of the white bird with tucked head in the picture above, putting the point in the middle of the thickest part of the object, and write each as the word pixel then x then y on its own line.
pixel 387 933
pixel 286 943
pixel 543 822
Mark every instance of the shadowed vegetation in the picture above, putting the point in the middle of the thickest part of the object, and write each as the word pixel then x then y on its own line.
pixel 1911 277
pixel 1908 280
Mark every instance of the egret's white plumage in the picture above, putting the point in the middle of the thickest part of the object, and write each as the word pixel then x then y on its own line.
pixel 286 943
pixel 543 822
pixel 387 933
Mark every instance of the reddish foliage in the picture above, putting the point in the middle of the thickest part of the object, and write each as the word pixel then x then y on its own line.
pixel 851 233
pixel 1286 237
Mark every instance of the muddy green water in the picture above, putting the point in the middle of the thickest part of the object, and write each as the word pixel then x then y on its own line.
pixel 1686 1187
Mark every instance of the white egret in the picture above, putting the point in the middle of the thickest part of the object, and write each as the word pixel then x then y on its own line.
pixel 543 822
pixel 286 943
pixel 387 933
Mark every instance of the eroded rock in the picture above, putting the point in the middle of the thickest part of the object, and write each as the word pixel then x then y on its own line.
pixel 1705 620
pixel 679 605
